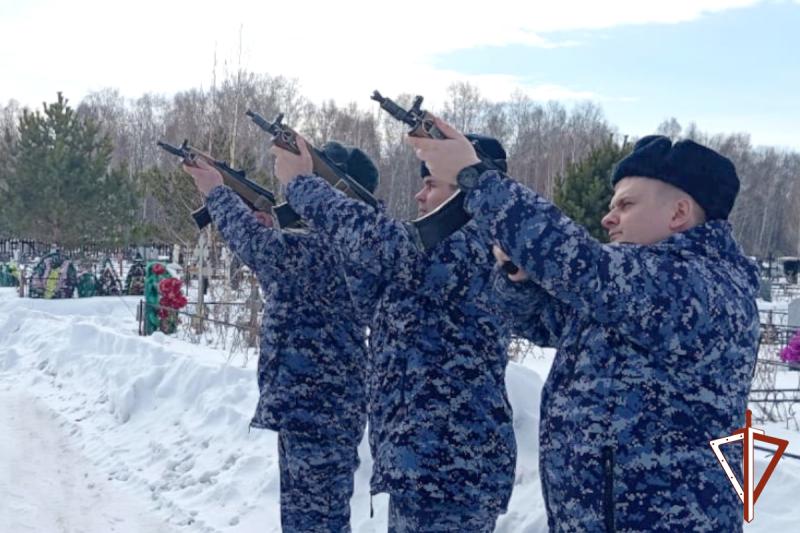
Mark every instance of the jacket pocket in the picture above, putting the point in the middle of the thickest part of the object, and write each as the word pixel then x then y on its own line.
pixel 608 489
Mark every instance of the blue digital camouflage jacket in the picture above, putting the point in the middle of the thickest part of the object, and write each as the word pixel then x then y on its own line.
pixel 656 349
pixel 440 421
pixel 313 359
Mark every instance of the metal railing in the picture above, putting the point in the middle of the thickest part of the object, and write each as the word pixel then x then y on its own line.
pixel 768 401
pixel 238 334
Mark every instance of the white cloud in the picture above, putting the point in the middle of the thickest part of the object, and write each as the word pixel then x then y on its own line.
pixel 341 50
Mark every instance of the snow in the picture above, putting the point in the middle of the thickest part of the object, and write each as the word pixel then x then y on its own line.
pixel 48 485
pixel 105 431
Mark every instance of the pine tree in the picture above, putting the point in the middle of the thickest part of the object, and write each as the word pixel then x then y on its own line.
pixel 61 187
pixel 177 198
pixel 584 191
pixel 8 149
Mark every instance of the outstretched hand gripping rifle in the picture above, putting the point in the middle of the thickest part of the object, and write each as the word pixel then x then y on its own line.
pixel 286 138
pixel 254 195
pixel 450 216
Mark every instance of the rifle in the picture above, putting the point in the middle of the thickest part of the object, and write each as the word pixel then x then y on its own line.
pixel 450 216
pixel 421 122
pixel 254 195
pixel 286 138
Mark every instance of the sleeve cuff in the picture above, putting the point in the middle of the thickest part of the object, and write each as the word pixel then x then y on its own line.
pixel 217 192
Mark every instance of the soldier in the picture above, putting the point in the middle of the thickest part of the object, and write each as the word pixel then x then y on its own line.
pixel 656 333
pixel 440 422
pixel 313 360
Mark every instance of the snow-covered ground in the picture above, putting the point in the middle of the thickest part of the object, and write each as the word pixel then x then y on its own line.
pixel 105 431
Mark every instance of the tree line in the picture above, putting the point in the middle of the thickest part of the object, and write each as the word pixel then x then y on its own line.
pixel 93 173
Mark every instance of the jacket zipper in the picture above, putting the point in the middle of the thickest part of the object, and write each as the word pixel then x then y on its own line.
pixel 608 489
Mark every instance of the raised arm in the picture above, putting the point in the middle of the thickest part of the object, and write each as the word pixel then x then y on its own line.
pixel 529 310
pixel 630 286
pixel 366 238
pixel 258 246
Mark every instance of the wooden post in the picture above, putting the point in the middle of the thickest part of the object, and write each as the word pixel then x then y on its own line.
pixel 254 305
pixel 200 278
pixel 22 281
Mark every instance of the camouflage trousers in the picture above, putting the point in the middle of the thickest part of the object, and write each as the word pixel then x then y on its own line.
pixel 410 515
pixel 316 483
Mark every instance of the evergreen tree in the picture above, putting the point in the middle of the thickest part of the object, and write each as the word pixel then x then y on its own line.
pixel 584 191
pixel 60 186
pixel 176 198
pixel 8 147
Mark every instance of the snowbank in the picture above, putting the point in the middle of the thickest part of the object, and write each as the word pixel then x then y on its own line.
pixel 163 425
pixel 167 421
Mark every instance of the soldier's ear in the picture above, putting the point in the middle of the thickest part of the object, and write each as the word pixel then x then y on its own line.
pixel 683 213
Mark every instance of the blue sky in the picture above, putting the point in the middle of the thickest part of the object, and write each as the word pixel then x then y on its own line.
pixel 738 70
pixel 727 65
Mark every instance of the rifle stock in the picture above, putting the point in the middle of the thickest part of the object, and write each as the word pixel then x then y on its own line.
pixel 286 138
pixel 254 195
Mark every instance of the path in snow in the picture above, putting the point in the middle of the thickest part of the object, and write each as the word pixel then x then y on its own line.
pixel 47 485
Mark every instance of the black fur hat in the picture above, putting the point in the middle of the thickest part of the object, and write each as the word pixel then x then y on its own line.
pixel 485 146
pixel 705 175
pixel 353 162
